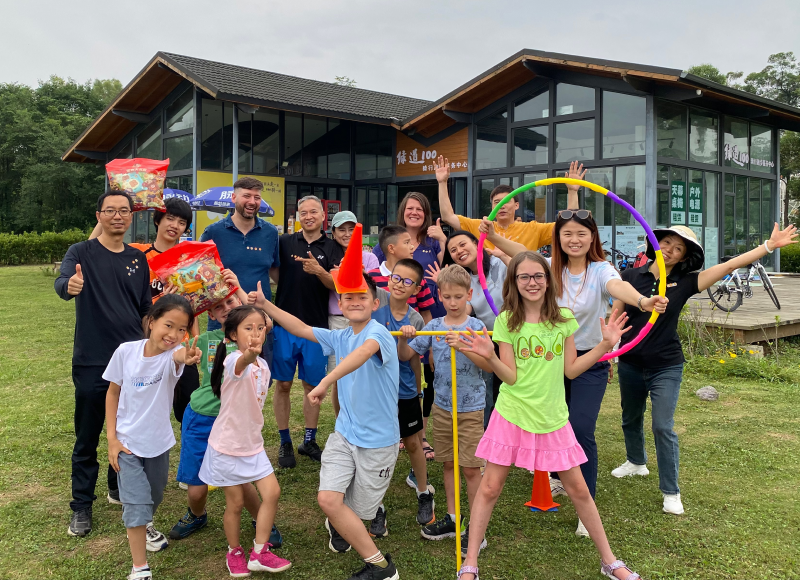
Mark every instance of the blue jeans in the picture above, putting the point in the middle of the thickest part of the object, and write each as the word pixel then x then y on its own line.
pixel 663 385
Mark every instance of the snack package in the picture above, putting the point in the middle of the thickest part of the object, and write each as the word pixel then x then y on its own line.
pixel 142 179
pixel 196 270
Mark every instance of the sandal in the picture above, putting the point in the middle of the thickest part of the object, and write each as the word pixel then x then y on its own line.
pixel 402 445
pixel 468 570
pixel 428 450
pixel 608 570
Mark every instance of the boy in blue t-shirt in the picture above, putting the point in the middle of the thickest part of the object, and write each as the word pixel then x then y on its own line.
pixel 360 454
pixel 397 315
pixel 454 291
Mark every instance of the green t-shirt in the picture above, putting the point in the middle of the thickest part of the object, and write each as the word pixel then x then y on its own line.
pixel 203 400
pixel 535 402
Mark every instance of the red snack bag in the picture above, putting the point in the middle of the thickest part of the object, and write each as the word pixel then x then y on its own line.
pixel 196 270
pixel 142 179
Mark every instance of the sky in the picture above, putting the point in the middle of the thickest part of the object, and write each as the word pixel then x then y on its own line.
pixel 407 47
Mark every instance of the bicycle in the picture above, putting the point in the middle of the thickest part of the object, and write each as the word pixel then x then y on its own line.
pixel 627 261
pixel 728 293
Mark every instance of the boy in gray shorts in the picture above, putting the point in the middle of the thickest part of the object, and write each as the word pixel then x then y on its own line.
pixel 359 457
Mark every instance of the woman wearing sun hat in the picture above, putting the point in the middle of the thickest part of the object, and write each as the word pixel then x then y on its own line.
pixel 654 367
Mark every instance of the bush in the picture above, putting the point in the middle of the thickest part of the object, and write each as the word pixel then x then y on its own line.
pixel 790 258
pixel 33 248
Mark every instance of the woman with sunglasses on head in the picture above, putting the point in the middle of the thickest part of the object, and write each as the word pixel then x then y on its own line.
pixel 584 281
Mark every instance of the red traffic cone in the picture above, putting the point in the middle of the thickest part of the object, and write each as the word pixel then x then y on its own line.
pixel 541 496
pixel 349 277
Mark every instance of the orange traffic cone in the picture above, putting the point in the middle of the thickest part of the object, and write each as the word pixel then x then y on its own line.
pixel 541 496
pixel 350 276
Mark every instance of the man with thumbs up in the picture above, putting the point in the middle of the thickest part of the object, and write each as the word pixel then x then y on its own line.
pixel 110 283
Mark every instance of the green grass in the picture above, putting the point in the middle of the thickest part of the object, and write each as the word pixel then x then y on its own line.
pixel 739 459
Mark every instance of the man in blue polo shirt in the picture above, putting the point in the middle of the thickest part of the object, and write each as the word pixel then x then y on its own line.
pixel 247 245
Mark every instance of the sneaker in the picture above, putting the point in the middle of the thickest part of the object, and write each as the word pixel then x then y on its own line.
pixel 425 507
pixel 581 532
pixel 156 541
pixel 237 563
pixel 411 480
pixel 310 449
pixel 266 561
pixel 183 486
pixel 373 572
pixel 377 527
pixel 556 488
pixel 145 574
pixel 673 504
pixel 336 543
pixel 286 455
pixel 81 523
pixel 275 537
pixel 629 468
pixel 113 497
pixel 465 544
pixel 443 528
pixel 188 525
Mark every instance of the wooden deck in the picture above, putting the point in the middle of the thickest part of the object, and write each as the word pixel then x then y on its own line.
pixel 754 321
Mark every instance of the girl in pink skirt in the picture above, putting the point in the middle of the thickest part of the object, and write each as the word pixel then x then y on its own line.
pixel 529 426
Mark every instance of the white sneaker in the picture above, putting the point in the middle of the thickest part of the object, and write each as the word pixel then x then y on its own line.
pixel 156 541
pixel 673 504
pixel 581 531
pixel 183 486
pixel 556 488
pixel 629 468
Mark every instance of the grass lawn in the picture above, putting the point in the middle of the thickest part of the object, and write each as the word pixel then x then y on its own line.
pixel 739 464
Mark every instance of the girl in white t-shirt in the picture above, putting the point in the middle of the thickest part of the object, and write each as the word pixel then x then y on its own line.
pixel 142 376
pixel 235 455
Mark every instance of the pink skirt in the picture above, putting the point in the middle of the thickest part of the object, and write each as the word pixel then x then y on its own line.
pixel 506 444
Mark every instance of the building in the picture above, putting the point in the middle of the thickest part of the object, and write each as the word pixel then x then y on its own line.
pixel 680 148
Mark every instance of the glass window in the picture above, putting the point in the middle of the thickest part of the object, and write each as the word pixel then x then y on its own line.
pixel 740 222
pixel 573 99
pixel 227 136
pixel 291 207
pixel 534 201
pixel 182 182
pixel 629 185
pixel 711 229
pixel 361 206
pixel 373 151
pixel 490 147
pixel 148 143
pixel 485 187
pixel 736 154
pixel 245 141
pixel 315 155
pixel 338 149
pixel 179 151
pixel 671 130
pixel 392 203
pixel 761 148
pixel 662 196
pixel 575 141
pixel 623 125
pixel 530 145
pixel 460 197
pixel 126 152
pixel 728 233
pixel 180 114
pixel 600 205
pixel 767 219
pixel 535 106
pixel 266 141
pixel 703 136
pixel 754 214
pixel 211 135
pixel 292 143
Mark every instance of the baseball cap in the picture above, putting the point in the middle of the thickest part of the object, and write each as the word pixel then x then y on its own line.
pixel 342 218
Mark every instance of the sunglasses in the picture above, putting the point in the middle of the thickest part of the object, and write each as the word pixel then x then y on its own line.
pixel 396 278
pixel 581 214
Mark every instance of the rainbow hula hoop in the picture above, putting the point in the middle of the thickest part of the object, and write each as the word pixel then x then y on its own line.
pixel 662 280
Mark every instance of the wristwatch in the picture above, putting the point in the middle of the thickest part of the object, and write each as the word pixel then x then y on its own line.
pixel 639 304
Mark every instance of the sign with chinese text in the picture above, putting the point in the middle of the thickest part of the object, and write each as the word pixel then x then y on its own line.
pixel 695 205
pixel 414 159
pixel 677 203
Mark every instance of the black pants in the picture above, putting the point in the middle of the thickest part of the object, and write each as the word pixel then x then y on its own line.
pixel 427 393
pixel 90 414
pixel 187 384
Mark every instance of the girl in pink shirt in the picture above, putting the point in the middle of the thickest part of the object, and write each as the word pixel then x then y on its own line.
pixel 235 456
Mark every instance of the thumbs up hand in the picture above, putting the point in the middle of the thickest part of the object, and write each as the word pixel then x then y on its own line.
pixel 436 232
pixel 75 284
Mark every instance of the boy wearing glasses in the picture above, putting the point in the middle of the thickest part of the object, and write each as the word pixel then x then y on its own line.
pixel 396 315
pixel 110 282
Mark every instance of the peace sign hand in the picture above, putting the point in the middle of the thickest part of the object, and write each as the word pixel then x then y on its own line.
pixel 192 354
pixel 75 284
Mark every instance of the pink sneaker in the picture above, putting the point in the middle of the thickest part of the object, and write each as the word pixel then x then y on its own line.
pixel 237 563
pixel 266 561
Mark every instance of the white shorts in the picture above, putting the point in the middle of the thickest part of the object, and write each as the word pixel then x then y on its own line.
pixel 224 470
pixel 335 322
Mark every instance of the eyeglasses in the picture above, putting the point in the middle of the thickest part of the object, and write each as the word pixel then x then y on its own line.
pixel 539 278
pixel 396 278
pixel 581 214
pixel 112 212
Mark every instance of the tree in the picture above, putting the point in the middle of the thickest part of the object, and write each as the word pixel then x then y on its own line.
pixel 345 81
pixel 790 172
pixel 779 80
pixel 708 71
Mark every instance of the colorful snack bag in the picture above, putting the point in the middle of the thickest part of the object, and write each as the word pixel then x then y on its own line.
pixel 196 270
pixel 142 179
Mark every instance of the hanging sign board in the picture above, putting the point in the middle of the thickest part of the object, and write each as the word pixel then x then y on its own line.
pixel 677 203
pixel 413 159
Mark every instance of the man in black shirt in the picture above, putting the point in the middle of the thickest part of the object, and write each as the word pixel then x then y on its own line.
pixel 110 282
pixel 302 294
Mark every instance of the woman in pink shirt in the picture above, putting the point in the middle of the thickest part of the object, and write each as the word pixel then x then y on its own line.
pixel 235 456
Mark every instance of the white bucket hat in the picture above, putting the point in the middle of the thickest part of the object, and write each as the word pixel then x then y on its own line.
pixel 694 251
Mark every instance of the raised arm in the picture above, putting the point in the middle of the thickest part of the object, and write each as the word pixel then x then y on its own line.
pixel 442 167
pixel 98 229
pixel 291 323
pixel 506 246
pixel 576 171
pixel 778 239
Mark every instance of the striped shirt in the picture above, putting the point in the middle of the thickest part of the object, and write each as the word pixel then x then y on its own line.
pixel 422 301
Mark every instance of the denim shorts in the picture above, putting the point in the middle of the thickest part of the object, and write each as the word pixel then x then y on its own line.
pixel 195 430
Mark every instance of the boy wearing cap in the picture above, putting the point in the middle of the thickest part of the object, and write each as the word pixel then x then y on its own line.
pixel 360 454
